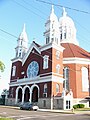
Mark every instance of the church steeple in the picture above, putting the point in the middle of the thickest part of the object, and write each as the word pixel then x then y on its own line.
pixel 52 28
pixel 22 44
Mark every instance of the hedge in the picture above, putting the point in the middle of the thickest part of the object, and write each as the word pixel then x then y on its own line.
pixel 78 106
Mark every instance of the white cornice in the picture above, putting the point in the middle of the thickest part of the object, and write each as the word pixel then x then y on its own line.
pixel 75 60
pixel 26 81
pixel 29 51
pixel 49 73
pixel 16 59
pixel 52 45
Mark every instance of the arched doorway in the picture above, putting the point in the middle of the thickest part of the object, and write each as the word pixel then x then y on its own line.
pixel 35 94
pixel 20 95
pixel 27 95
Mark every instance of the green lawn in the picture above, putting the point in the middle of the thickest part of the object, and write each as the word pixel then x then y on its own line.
pixel 82 109
pixel 6 119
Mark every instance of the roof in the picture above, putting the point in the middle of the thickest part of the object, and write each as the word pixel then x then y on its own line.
pixel 36 44
pixel 72 50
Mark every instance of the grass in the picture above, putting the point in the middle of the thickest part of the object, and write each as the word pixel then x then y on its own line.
pixel 82 109
pixel 6 119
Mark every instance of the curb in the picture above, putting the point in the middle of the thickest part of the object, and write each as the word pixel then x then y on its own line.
pixel 56 111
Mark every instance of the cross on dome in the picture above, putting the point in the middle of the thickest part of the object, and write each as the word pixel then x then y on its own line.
pixel 64 12
pixel 52 10
pixel 24 27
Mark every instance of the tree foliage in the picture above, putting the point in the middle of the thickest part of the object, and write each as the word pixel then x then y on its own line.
pixel 2 66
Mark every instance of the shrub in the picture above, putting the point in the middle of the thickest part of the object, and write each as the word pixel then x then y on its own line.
pixel 78 106
pixel 81 105
pixel 75 106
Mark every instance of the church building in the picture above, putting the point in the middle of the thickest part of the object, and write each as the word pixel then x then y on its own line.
pixel 54 75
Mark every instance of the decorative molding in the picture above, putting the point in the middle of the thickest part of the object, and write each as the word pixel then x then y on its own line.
pixel 16 60
pixel 29 51
pixel 37 80
pixel 76 60
pixel 52 45
pixel 51 73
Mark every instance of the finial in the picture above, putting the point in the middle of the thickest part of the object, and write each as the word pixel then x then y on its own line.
pixel 52 10
pixel 64 12
pixel 24 27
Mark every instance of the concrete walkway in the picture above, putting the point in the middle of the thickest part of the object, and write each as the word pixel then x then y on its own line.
pixel 66 111
pixel 57 111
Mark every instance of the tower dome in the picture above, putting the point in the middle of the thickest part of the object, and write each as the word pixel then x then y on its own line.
pixel 67 29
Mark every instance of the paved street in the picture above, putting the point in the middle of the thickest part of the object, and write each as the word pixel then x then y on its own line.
pixel 37 115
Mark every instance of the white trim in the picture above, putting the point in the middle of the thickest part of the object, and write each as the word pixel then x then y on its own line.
pixel 16 60
pixel 51 73
pixel 24 88
pixel 29 51
pixel 57 74
pixel 27 81
pixel 45 61
pixel 52 45
pixel 76 60
pixel 35 85
pixel 45 73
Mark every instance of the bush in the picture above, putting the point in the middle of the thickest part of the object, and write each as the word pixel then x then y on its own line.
pixel 81 105
pixel 78 106
pixel 75 106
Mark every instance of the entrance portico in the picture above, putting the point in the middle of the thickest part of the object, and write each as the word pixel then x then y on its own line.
pixel 27 94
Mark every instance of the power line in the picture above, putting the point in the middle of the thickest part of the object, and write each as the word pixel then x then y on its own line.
pixel 28 3
pixel 55 62
pixel 14 35
pixel 39 10
pixel 49 3
pixel 8 33
pixel 28 9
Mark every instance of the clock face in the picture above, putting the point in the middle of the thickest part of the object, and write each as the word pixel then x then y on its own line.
pixel 32 70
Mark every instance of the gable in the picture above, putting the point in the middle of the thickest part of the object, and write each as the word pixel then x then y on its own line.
pixel 32 46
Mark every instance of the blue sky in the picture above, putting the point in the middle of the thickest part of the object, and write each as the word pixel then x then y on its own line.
pixel 14 13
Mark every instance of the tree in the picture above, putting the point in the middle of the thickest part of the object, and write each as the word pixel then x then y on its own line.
pixel 5 93
pixel 2 66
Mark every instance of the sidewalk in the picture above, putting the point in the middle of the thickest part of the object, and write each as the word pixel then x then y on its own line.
pixel 57 111
pixel 87 112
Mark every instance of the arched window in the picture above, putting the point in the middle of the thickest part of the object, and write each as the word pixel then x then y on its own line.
pixel 47 40
pixel 13 70
pixel 61 36
pixel 66 77
pixel 45 88
pixel 45 62
pixel 65 35
pixel 58 68
pixel 57 54
pixel 85 81
pixel 57 88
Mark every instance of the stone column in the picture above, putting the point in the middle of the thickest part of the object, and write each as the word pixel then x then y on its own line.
pixel 30 100
pixel 16 100
pixel 64 103
pixel 51 103
pixel 23 92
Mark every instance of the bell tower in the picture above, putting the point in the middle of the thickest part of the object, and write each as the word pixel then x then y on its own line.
pixel 22 44
pixel 52 28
